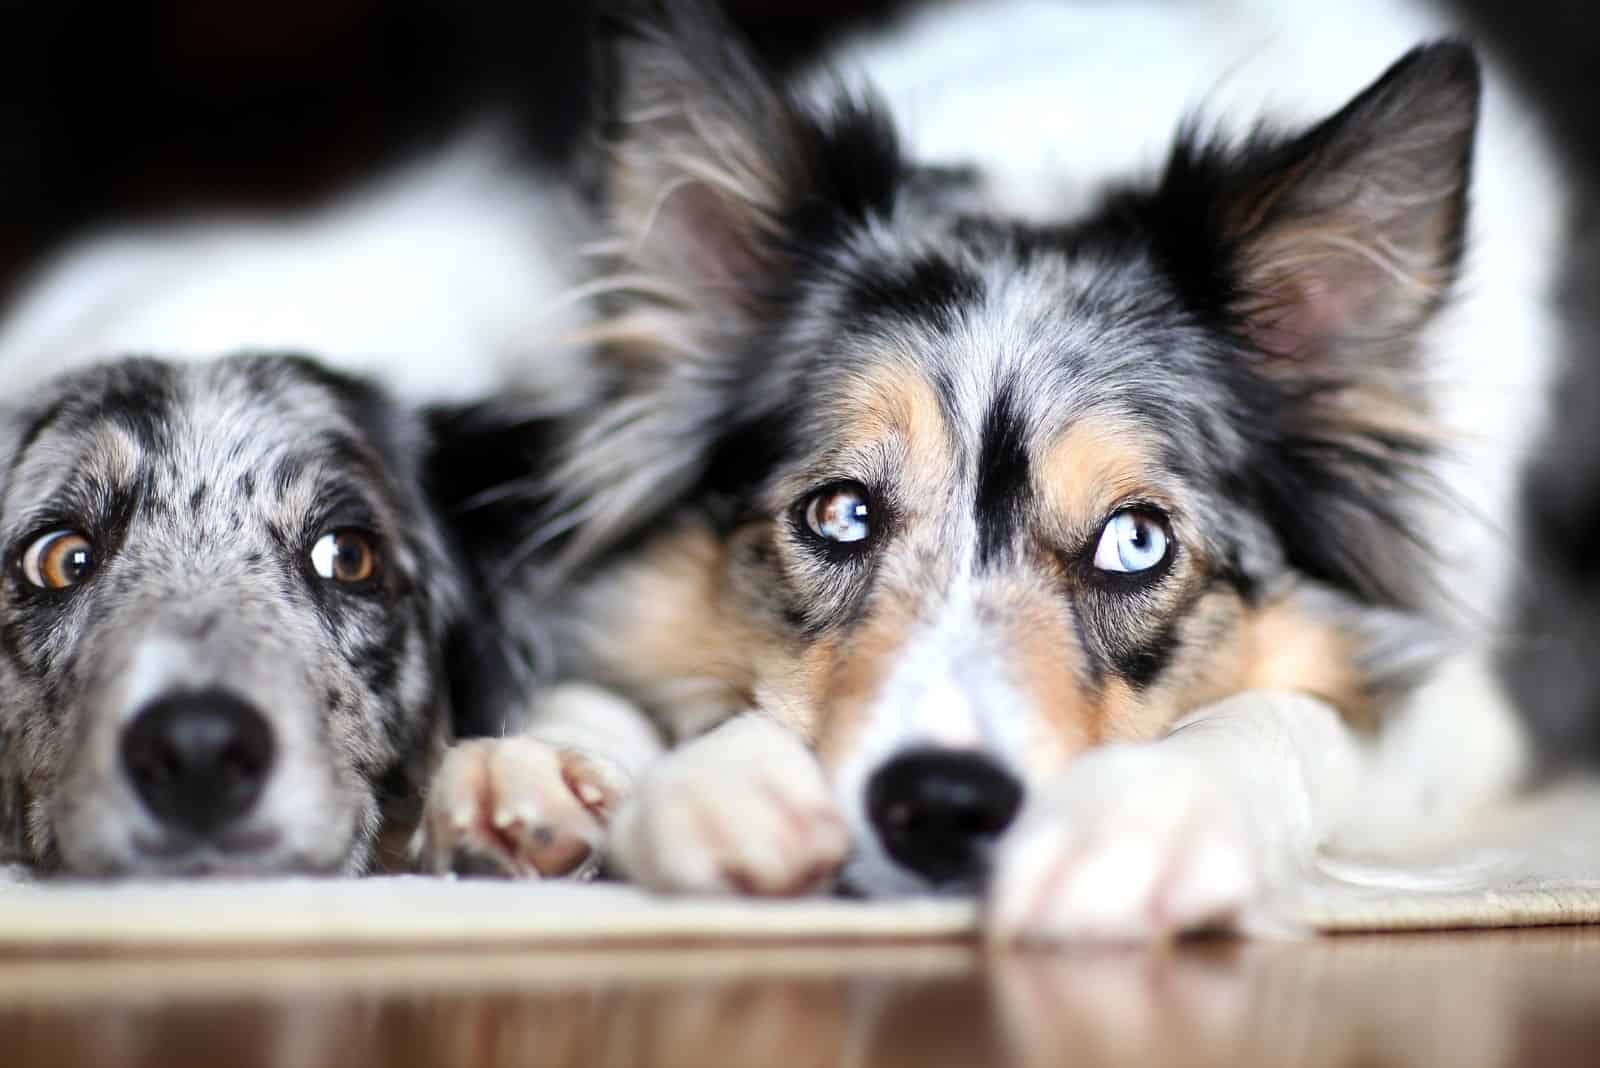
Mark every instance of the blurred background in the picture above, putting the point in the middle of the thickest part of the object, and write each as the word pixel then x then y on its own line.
pixel 108 110
pixel 113 111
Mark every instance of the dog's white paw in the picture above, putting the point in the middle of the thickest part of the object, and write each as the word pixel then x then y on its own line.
pixel 519 807
pixel 1130 844
pixel 743 809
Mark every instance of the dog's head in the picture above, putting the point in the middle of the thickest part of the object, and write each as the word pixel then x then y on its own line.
pixel 966 495
pixel 227 603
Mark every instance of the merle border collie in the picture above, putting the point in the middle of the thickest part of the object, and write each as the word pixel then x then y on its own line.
pixel 1063 451
pixel 248 596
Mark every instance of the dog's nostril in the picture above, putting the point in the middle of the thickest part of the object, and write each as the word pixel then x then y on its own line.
pixel 198 760
pixel 936 810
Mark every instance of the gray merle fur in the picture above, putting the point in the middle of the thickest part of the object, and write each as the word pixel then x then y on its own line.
pixel 823 243
pixel 202 489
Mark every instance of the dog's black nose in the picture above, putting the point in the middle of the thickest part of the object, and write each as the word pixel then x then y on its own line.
pixel 199 760
pixel 937 810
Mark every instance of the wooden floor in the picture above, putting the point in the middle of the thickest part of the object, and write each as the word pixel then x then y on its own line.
pixel 1514 998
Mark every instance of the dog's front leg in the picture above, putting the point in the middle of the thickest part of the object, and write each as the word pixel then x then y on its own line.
pixel 1193 831
pixel 538 804
pixel 743 809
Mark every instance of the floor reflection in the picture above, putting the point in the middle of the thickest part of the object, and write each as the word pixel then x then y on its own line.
pixel 1467 1000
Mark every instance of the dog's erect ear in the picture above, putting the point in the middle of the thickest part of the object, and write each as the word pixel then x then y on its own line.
pixel 1349 239
pixel 725 186
pixel 1328 253
pixel 719 172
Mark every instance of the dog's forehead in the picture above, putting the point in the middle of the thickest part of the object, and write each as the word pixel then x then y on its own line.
pixel 232 408
pixel 227 426
pixel 103 421
pixel 1042 335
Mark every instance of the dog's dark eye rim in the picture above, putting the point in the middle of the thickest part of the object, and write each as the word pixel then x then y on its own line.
pixel 800 519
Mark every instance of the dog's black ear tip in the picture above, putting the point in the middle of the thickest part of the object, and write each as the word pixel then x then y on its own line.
pixel 1448 61
pixel 1443 76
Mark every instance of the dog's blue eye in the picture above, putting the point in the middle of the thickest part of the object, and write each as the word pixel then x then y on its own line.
pixel 840 513
pixel 58 560
pixel 348 556
pixel 1132 541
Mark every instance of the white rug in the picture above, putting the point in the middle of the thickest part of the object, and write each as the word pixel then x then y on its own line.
pixel 1535 865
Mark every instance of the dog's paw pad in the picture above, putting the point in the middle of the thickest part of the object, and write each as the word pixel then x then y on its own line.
pixel 519 807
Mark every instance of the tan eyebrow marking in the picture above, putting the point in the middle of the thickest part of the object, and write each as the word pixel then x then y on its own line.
pixel 1091 466
pixel 894 401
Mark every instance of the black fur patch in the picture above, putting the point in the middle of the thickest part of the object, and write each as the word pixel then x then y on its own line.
pixel 1143 663
pixel 929 288
pixel 1004 478
pixel 477 473
pixel 480 465
pixel 852 169
pixel 743 457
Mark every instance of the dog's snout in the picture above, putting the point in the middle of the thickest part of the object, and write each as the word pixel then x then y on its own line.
pixel 937 810
pixel 198 760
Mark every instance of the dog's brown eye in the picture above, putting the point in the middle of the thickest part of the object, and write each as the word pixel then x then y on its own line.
pixel 346 556
pixel 840 513
pixel 59 560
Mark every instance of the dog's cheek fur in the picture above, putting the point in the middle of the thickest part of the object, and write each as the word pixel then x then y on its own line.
pixel 31 756
pixel 669 626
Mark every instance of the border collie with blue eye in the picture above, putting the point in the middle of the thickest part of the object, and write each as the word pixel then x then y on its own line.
pixel 1052 437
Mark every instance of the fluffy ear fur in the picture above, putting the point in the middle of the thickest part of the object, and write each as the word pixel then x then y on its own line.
pixel 719 174
pixel 1335 249
pixel 1351 239
pixel 721 182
